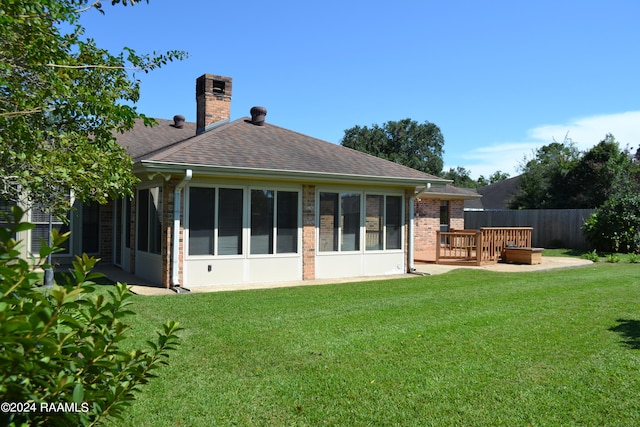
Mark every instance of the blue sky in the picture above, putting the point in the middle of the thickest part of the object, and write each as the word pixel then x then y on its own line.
pixel 499 78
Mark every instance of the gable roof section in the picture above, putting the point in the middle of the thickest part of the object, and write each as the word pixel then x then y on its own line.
pixel 243 146
pixel 496 196
pixel 143 140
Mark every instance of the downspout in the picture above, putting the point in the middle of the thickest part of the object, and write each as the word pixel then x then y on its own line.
pixel 412 203
pixel 175 255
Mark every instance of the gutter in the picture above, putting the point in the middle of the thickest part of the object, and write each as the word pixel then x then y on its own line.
pixel 175 250
pixel 148 166
pixel 412 207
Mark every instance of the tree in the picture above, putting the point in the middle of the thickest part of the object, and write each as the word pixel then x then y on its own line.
pixel 494 178
pixel 543 180
pixel 461 177
pixel 615 226
pixel 591 181
pixel 560 177
pixel 498 176
pixel 61 358
pixel 418 146
pixel 62 99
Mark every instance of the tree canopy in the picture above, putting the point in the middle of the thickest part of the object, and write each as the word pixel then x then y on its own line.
pixel 561 177
pixel 461 177
pixel 62 100
pixel 543 178
pixel 407 142
pixel 605 178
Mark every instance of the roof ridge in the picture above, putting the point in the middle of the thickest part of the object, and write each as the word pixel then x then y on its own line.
pixel 172 148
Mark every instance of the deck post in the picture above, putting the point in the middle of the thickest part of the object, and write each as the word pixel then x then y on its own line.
pixel 479 248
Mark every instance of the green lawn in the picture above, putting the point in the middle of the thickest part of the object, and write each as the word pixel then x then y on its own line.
pixel 469 348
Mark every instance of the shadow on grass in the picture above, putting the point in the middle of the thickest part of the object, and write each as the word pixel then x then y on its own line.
pixel 629 330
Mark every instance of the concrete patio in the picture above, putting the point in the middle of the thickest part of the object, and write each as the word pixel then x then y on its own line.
pixel 140 287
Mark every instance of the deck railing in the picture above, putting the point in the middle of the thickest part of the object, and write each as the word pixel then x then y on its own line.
pixel 484 246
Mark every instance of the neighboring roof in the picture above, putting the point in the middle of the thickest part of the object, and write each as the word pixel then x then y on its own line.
pixel 449 192
pixel 242 145
pixel 495 196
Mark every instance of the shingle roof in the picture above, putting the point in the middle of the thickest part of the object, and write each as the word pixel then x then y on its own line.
pixel 496 196
pixel 143 140
pixel 451 192
pixel 241 144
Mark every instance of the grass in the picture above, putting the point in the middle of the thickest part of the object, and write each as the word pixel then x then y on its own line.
pixel 593 255
pixel 464 348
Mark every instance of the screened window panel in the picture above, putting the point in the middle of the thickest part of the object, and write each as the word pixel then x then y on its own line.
pixel 262 221
pixel 117 232
pixel 229 221
pixel 328 229
pixel 5 213
pixel 374 225
pixel 143 220
pixel 127 223
pixel 350 222
pixel 393 222
pixel 287 222
pixel 40 235
pixel 201 220
pixel 90 228
pixel 155 220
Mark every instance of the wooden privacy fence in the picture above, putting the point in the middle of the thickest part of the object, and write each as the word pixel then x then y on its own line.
pixel 484 246
pixel 551 227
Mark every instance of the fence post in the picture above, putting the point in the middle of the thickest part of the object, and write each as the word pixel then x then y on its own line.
pixel 437 247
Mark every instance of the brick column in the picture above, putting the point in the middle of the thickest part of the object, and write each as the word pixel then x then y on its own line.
pixel 426 223
pixel 308 232
pixel 167 231
pixel 407 237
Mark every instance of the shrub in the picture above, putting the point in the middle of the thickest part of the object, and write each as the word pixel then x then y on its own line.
pixel 633 258
pixel 60 347
pixel 614 258
pixel 615 226
pixel 591 256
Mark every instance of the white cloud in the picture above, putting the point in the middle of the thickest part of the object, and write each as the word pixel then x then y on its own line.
pixel 585 132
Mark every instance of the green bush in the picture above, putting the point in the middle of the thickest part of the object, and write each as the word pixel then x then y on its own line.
pixel 591 256
pixel 613 258
pixel 615 226
pixel 60 354
pixel 633 258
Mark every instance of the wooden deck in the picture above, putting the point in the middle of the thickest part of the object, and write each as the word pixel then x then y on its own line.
pixel 480 247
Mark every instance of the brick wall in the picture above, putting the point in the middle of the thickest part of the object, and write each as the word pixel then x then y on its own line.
pixel 456 214
pixel 426 224
pixel 308 232
pixel 167 231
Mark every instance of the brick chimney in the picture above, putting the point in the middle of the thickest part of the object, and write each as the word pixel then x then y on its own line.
pixel 213 99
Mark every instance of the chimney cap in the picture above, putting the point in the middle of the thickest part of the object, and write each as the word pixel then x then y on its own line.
pixel 178 121
pixel 258 115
